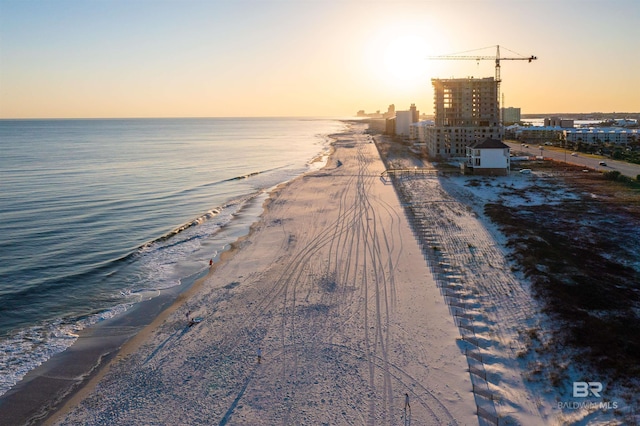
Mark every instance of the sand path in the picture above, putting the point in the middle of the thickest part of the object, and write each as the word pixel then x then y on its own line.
pixel 334 290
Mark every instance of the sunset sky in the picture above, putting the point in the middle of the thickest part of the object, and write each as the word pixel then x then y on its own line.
pixel 188 58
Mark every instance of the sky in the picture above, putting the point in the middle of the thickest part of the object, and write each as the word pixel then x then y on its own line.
pixel 321 58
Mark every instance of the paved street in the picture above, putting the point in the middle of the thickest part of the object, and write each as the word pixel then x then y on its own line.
pixel 627 169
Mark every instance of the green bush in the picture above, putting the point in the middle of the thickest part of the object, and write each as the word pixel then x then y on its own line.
pixel 611 175
pixel 616 176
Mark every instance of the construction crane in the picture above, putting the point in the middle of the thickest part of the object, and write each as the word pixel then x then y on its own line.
pixel 496 58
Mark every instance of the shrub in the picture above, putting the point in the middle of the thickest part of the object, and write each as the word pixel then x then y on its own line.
pixel 611 175
pixel 616 176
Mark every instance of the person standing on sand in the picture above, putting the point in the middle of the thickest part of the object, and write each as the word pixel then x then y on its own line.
pixel 188 314
pixel 259 355
pixel 406 404
pixel 210 262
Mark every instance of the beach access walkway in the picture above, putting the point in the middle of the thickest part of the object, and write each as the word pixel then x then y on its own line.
pixel 332 292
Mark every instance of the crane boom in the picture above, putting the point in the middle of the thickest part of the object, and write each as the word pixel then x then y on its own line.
pixel 482 58
pixel 496 58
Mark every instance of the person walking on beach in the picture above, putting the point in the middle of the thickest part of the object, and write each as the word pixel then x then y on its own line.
pixel 188 314
pixel 259 355
pixel 210 262
pixel 406 404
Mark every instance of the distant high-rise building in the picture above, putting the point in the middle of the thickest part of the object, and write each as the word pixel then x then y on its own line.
pixel 391 112
pixel 466 110
pixel 415 115
pixel 558 122
pixel 511 115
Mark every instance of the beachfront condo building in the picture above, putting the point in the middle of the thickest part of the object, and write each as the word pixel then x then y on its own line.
pixel 466 111
pixel 602 135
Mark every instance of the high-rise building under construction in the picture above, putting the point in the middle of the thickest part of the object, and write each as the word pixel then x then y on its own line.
pixel 466 110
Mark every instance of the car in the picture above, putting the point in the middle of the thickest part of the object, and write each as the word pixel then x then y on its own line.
pixel 602 163
pixel 574 154
pixel 525 171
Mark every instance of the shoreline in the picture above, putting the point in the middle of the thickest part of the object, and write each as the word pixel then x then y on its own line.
pixel 134 343
pixel 62 381
pixel 331 285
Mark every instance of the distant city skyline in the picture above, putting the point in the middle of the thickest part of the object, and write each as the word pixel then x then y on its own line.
pixel 196 58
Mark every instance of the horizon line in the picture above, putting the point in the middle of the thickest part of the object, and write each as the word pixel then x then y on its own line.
pixel 330 117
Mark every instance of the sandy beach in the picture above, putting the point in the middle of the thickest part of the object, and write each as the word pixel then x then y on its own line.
pixel 332 291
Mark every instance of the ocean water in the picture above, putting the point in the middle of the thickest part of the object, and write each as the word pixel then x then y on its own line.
pixel 97 215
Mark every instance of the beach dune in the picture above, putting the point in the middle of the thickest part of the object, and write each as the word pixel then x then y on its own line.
pixel 331 290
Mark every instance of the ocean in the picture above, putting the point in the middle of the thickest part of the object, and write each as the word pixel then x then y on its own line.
pixel 98 215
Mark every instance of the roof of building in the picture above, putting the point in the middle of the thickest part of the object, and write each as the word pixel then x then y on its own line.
pixel 601 130
pixel 489 143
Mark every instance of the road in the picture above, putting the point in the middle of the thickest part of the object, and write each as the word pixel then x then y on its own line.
pixel 627 169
